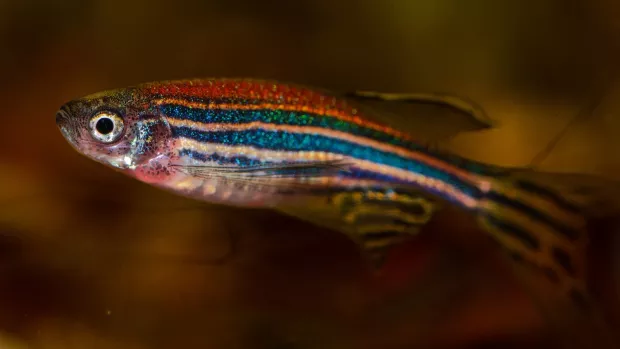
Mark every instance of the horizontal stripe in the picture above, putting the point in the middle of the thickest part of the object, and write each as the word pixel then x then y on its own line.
pixel 364 209
pixel 242 89
pixel 432 186
pixel 216 112
pixel 292 142
pixel 348 181
pixel 314 132
pixel 208 112
pixel 295 142
pixel 548 194
pixel 380 235
pixel 238 160
pixel 380 218
pixel 244 161
pixel 537 202
pixel 411 200
pixel 520 253
pixel 409 208
pixel 558 226
pixel 221 113
pixel 513 230
pixel 364 174
pixel 544 232
pixel 383 226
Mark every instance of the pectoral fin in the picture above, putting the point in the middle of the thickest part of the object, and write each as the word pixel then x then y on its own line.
pixel 292 177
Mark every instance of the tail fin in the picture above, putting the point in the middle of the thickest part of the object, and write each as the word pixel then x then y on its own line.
pixel 543 221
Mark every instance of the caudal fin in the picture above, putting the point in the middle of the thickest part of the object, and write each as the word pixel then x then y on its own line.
pixel 543 221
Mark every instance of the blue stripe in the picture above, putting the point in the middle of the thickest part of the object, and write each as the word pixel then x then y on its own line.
pixel 279 117
pixel 242 161
pixel 282 117
pixel 285 141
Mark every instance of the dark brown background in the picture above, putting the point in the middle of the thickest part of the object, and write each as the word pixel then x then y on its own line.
pixel 91 259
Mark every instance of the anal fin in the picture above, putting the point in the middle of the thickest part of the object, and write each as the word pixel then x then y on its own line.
pixel 380 220
pixel 375 219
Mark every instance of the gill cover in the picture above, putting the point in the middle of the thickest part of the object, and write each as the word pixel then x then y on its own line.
pixel 149 153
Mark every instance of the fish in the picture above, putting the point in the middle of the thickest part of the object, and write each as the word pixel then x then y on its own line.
pixel 331 159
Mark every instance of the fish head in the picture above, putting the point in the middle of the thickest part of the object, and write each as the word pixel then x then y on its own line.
pixel 121 129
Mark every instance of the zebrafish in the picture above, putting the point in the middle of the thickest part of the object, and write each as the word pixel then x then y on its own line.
pixel 323 157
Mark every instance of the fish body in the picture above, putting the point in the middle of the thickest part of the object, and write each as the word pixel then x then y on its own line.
pixel 321 156
pixel 247 124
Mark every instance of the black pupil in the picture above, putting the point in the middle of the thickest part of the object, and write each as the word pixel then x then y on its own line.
pixel 104 126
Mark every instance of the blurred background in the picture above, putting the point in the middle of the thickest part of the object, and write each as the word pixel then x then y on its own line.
pixel 92 259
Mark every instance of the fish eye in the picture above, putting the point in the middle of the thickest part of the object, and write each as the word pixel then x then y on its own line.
pixel 106 127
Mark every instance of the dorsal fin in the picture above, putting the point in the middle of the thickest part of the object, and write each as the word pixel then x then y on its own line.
pixel 431 118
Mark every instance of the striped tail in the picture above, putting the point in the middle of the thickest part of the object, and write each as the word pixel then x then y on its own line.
pixel 544 221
